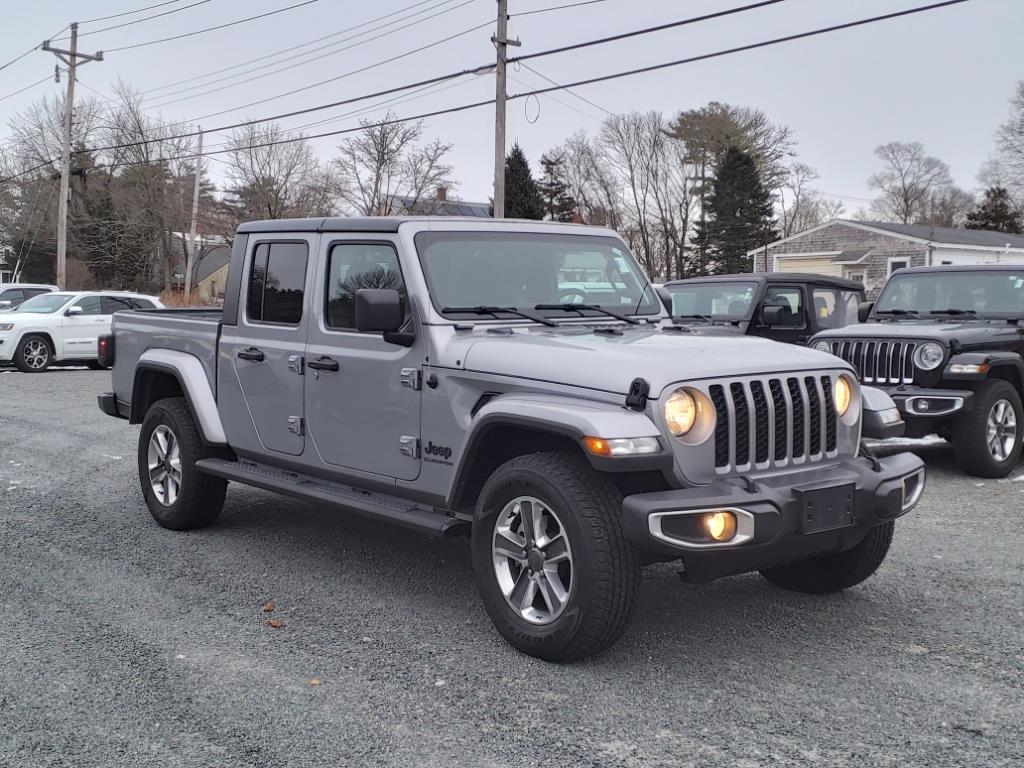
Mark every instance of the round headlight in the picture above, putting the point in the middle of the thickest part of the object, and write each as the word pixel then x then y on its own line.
pixel 844 395
pixel 823 346
pixel 929 356
pixel 680 412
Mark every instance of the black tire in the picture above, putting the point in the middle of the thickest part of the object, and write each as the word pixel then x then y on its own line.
pixel 200 497
pixel 27 355
pixel 833 573
pixel 970 431
pixel 606 570
pixel 96 365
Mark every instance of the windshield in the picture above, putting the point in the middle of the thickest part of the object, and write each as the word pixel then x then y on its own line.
pixel 45 304
pixel 994 294
pixel 529 271
pixel 717 300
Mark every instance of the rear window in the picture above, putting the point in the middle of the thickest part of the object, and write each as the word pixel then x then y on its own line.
pixel 277 281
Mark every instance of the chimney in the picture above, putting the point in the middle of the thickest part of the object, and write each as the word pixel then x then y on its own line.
pixel 442 194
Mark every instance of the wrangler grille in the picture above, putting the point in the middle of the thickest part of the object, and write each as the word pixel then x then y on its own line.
pixel 878 362
pixel 773 421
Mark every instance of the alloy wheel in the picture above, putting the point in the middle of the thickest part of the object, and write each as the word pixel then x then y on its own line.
pixel 532 560
pixel 164 461
pixel 36 354
pixel 1001 431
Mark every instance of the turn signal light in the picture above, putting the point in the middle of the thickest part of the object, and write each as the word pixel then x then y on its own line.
pixel 621 446
pixel 721 525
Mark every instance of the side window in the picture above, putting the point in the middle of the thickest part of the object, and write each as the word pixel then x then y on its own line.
pixel 112 304
pixel 351 266
pixel 91 305
pixel 790 298
pixel 33 292
pixel 277 283
pixel 14 295
pixel 142 303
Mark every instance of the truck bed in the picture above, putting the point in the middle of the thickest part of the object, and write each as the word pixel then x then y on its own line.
pixel 192 331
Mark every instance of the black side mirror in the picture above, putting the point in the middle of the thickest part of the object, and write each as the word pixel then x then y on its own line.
pixel 378 310
pixel 863 310
pixel 665 296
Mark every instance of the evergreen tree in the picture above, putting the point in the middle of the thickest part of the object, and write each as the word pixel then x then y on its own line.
pixel 559 205
pixel 996 212
pixel 522 196
pixel 739 216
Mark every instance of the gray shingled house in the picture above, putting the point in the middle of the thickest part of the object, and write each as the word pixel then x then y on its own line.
pixel 869 251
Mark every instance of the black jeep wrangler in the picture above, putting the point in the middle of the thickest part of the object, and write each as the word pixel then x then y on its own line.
pixel 947 343
pixel 782 306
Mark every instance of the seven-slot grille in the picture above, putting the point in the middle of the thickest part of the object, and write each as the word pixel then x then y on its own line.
pixel 878 362
pixel 773 421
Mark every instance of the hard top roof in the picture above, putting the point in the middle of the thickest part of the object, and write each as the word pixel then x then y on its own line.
pixel 376 223
pixel 776 277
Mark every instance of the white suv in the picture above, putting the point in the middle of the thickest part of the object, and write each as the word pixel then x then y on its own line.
pixel 13 294
pixel 63 326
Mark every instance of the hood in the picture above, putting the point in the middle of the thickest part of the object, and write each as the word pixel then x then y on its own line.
pixel 579 357
pixel 961 332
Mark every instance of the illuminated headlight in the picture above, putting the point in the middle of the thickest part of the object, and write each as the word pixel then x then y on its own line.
pixel 621 446
pixel 6 326
pixel 844 395
pixel 680 412
pixel 823 346
pixel 929 356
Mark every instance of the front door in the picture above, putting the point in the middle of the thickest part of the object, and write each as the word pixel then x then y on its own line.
pixel 795 327
pixel 81 330
pixel 261 356
pixel 362 393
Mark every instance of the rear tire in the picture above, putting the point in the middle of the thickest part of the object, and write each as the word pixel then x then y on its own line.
pixel 987 438
pixel 34 354
pixel 833 573
pixel 569 588
pixel 178 495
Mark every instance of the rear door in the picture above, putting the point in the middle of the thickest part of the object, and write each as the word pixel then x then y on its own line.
pixel 262 354
pixel 80 332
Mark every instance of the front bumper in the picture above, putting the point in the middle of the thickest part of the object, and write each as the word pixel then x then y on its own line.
pixel 925 403
pixel 774 514
pixel 111 406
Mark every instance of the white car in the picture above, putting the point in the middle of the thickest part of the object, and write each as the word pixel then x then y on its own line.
pixel 63 326
pixel 13 294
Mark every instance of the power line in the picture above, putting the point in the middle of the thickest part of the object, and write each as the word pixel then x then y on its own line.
pixel 144 18
pixel 129 13
pixel 211 29
pixel 290 49
pixel 27 87
pixel 524 94
pixel 556 8
pixel 19 57
pixel 568 90
pixel 307 61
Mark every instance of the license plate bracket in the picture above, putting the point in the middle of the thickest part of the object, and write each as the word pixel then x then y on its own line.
pixel 826 508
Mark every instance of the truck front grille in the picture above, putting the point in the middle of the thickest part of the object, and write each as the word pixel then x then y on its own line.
pixel 773 422
pixel 878 362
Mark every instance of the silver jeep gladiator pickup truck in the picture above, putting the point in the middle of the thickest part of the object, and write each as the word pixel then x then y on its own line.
pixel 519 382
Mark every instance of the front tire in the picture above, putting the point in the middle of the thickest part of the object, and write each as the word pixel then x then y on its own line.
pixel 834 573
pixel 34 354
pixel 987 438
pixel 178 495
pixel 556 574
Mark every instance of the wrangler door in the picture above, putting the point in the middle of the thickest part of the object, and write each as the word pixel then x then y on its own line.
pixel 362 393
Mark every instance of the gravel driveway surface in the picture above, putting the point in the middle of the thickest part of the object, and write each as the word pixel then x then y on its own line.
pixel 122 644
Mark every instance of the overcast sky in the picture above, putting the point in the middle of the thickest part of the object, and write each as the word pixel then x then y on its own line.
pixel 943 78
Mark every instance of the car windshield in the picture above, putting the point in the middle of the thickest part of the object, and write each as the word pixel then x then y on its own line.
pixel 46 303
pixel 953 293
pixel 533 271
pixel 715 300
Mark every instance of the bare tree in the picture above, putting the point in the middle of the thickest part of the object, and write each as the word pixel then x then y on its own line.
pixel 947 207
pixel 801 206
pixel 907 182
pixel 1006 169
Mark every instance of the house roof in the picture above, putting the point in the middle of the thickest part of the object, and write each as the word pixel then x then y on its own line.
pixel 851 257
pixel 985 238
pixel 212 261
pixel 432 206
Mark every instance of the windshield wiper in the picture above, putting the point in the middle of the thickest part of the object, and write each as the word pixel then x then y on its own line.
pixel 706 318
pixel 485 310
pixel 898 312
pixel 954 311
pixel 591 307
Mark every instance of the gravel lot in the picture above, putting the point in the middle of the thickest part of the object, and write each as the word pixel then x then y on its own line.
pixel 124 644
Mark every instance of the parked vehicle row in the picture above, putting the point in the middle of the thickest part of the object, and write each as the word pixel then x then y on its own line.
pixel 519 383
pixel 63 327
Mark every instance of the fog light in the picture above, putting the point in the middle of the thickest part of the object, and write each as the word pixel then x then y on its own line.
pixel 923 406
pixel 721 525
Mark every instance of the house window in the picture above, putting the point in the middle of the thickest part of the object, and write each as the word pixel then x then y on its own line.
pixel 857 277
pixel 895 264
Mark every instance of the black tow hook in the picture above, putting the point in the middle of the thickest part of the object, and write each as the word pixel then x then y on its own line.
pixel 868 454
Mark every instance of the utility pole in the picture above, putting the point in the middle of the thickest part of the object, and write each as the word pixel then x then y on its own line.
pixel 70 57
pixel 190 260
pixel 501 43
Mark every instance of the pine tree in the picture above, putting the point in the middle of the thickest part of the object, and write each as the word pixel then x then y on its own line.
pixel 559 205
pixel 997 213
pixel 739 216
pixel 522 196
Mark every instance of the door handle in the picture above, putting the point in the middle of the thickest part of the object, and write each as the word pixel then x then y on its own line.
pixel 251 353
pixel 323 364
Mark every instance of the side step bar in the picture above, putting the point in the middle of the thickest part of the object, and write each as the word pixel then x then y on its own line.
pixel 379 506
